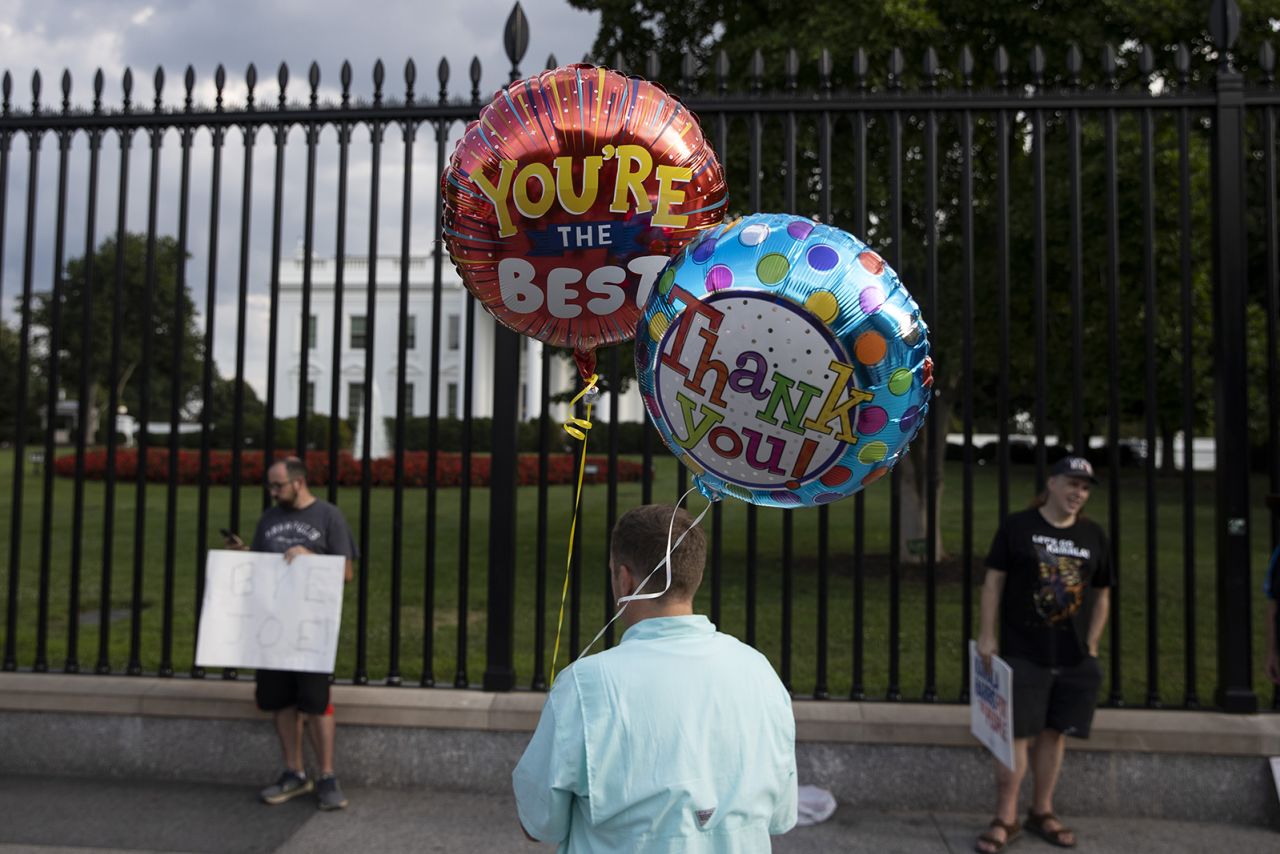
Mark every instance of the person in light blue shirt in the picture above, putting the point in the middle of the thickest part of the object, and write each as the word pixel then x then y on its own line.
pixel 679 739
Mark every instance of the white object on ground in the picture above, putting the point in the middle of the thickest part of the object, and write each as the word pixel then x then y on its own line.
pixel 815 806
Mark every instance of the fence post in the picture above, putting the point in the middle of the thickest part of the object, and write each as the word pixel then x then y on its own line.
pixel 1231 432
pixel 500 672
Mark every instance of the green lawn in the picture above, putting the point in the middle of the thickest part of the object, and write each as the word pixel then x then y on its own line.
pixel 771 574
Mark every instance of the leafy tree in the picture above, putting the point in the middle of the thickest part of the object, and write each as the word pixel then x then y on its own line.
pixel 100 269
pixel 700 30
pixel 10 346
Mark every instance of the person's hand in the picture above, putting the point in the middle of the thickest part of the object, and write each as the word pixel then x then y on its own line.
pixel 1273 668
pixel 296 551
pixel 987 647
pixel 234 543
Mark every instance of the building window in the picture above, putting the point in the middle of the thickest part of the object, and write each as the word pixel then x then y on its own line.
pixel 411 337
pixel 408 400
pixel 355 400
pixel 454 332
pixel 313 330
pixel 311 396
pixel 451 400
pixel 359 340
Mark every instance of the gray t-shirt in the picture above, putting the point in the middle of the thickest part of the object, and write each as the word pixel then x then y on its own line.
pixel 318 527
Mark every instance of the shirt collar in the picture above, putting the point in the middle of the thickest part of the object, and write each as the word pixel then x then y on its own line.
pixel 692 625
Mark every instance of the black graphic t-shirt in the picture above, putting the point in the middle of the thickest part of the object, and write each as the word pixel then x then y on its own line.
pixel 1051 578
pixel 318 527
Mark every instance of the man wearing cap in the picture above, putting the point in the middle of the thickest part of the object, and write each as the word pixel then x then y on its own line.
pixel 1045 602
pixel 1271 590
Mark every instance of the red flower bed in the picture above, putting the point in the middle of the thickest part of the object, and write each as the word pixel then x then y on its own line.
pixel 561 468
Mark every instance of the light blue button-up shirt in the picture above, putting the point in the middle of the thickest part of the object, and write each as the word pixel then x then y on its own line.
pixel 679 739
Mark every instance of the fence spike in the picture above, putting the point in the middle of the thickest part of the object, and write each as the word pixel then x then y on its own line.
pixel 652 65
pixel 1267 62
pixel 313 78
pixel 35 91
pixel 99 81
pixel 1182 62
pixel 159 84
pixel 896 63
pixel 6 86
pixel 1002 66
pixel 688 73
pixel 1037 66
pixel 619 64
pixel 1109 64
pixel 189 83
pixel 1075 64
pixel 722 70
pixel 860 65
pixel 515 38
pixel 379 75
pixel 757 71
pixel 219 82
pixel 1146 60
pixel 66 90
pixel 127 85
pixel 282 78
pixel 791 69
pixel 475 79
pixel 966 66
pixel 825 68
pixel 1224 29
pixel 344 77
pixel 251 80
pixel 410 77
pixel 551 62
pixel 930 67
pixel 442 75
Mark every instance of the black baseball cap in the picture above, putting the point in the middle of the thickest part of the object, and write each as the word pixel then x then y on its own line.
pixel 1073 467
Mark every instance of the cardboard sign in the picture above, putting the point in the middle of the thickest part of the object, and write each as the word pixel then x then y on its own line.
pixel 263 613
pixel 991 705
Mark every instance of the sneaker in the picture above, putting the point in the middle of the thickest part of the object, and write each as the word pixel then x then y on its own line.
pixel 290 785
pixel 329 794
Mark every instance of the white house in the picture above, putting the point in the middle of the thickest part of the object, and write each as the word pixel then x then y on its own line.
pixel 360 338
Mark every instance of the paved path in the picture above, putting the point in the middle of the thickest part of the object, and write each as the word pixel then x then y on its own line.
pixel 49 815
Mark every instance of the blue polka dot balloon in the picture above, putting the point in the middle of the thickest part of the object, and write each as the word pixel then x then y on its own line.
pixel 783 362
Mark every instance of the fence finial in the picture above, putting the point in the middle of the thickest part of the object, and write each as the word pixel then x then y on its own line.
pixel 99 81
pixel 159 84
pixel 379 75
pixel 552 62
pixel 966 66
pixel 282 77
pixel 66 90
pixel 515 39
pixel 1224 28
pixel 345 77
pixel 1075 64
pixel 35 91
pixel 126 84
pixel 722 71
pixel 188 83
pixel 251 81
pixel 219 83
pixel 475 79
pixel 410 77
pixel 757 71
pixel 313 78
pixel 442 75
pixel 688 73
pixel 652 65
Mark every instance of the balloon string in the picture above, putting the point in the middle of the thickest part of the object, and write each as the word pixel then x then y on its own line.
pixel 666 561
pixel 578 429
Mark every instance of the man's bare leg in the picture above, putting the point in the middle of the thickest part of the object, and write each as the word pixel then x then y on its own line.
pixel 1046 763
pixel 1008 785
pixel 289 728
pixel 323 735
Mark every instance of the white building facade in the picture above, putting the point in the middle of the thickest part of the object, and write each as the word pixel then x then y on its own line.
pixel 361 339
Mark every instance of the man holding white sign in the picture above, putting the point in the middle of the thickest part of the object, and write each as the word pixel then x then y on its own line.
pixel 1047 595
pixel 300 524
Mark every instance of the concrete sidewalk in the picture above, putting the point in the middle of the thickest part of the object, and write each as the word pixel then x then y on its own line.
pixel 43 815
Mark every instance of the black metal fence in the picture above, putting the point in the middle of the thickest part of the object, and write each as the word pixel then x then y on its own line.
pixel 1095 258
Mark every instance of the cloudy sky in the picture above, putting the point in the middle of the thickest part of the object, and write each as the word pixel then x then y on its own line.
pixel 81 36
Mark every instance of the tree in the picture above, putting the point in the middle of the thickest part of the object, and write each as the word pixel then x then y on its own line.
pixel 705 31
pixel 10 346
pixel 100 269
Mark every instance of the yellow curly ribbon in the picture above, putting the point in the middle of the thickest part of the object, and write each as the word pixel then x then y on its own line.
pixel 578 429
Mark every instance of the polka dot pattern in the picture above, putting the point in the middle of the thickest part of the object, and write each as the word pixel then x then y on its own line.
pixel 772 269
pixel 824 306
pixel 870 348
pixel 754 235
pixel 822 258
pixel 719 277
pixel 811 297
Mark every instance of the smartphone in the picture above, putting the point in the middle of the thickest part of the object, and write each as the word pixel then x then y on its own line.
pixel 230 537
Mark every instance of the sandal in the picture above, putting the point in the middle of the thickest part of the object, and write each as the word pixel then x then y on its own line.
pixel 1058 836
pixel 1011 832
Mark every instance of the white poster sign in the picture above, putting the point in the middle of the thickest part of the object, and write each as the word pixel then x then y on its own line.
pixel 261 612
pixel 991 705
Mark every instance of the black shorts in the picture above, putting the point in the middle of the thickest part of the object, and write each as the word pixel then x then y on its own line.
pixel 283 689
pixel 1060 698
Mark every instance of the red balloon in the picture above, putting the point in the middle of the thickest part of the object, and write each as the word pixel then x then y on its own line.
pixel 564 200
